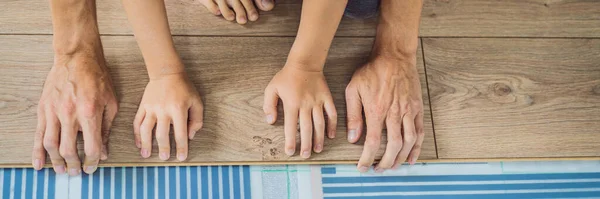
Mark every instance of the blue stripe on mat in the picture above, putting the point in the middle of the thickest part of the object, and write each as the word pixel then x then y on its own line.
pixel 194 182
pixel 450 187
pixel 215 181
pixel 6 183
pixel 129 182
pixel 246 175
pixel 204 180
pixel 583 194
pixel 440 178
pixel 236 181
pixel 183 182
pixel 51 184
pixel 172 182
pixel 29 184
pixel 40 183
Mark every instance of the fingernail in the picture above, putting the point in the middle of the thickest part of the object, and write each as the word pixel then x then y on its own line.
pixel 363 169
pixel 242 20
pixel 267 2
pixel 395 167
pixel 379 170
pixel 351 135
pixel 73 171
pixel 145 153
pixel 59 169
pixel 164 156
pixel 192 134
pixel 253 17
pixel 90 169
pixel 318 148
pixel 218 12
pixel 305 154
pixel 413 161
pixel 269 119
pixel 181 157
pixel 37 164
pixel 138 144
pixel 289 152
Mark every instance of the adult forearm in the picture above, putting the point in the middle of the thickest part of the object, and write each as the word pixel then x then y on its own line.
pixel 151 28
pixel 398 28
pixel 75 27
pixel 318 24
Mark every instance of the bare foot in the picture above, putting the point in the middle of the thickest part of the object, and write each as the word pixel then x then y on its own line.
pixel 243 10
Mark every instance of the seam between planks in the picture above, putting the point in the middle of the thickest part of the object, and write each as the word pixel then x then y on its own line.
pixel 437 155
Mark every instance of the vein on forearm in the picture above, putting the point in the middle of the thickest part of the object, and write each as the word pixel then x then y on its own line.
pixel 398 28
pixel 75 27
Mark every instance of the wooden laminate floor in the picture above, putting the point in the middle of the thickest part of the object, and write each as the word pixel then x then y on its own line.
pixel 501 79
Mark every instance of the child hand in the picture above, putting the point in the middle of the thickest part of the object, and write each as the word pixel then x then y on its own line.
pixel 305 96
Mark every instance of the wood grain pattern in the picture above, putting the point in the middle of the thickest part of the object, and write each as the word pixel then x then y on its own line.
pixel 456 18
pixel 186 17
pixel 230 73
pixel 511 18
pixel 514 98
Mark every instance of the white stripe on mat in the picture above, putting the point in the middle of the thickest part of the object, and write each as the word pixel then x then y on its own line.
pixel 256 183
pixel 188 187
pixel 61 186
pixel 23 183
pixel 461 192
pixel 101 181
pixel 74 187
pixel 366 184
pixel 220 174
pixel 12 183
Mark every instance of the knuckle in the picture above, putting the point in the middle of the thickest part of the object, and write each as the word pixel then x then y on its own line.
pixel 395 138
pixel 67 153
pixel 395 109
pixel 88 109
pixel 67 107
pixel 410 137
pixel 373 143
pixel 50 144
pixel 146 129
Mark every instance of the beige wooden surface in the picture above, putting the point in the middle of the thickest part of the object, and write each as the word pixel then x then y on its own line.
pixel 230 73
pixel 441 18
pixel 514 98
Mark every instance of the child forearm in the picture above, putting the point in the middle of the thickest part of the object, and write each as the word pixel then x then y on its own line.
pixel 318 24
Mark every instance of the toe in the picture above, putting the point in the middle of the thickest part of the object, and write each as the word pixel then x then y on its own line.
pixel 211 6
pixel 265 5
pixel 240 12
pixel 225 11
pixel 250 10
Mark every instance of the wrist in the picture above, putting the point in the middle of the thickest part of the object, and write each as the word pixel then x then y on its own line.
pixel 160 70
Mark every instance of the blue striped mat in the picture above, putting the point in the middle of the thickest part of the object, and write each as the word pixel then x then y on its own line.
pixel 568 179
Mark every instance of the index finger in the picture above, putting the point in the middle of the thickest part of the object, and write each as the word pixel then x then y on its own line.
pixel 372 142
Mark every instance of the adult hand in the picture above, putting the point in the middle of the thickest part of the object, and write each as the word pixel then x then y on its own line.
pixel 305 96
pixel 389 92
pixel 77 96
pixel 168 99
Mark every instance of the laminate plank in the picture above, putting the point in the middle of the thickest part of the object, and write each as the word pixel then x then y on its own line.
pixel 230 73
pixel 441 18
pixel 186 17
pixel 511 18
pixel 514 98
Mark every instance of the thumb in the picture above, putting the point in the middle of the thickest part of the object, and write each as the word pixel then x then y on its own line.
pixel 270 105
pixel 195 117
pixel 354 111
